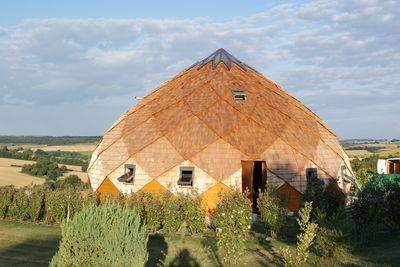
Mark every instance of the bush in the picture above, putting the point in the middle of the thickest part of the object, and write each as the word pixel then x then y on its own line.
pixel 232 223
pixel 108 235
pixel 62 204
pixel 364 210
pixel 152 210
pixel 192 213
pixel 36 198
pixel 273 214
pixel 305 239
pixel 172 214
pixel 70 182
pixel 329 238
pixel 6 198
pixel 328 199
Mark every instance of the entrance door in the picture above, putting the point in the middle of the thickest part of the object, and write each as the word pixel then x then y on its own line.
pixel 254 178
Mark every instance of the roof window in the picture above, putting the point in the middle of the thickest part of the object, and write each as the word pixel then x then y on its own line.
pixel 239 94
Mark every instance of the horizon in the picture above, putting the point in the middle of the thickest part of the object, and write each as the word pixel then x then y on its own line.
pixel 74 68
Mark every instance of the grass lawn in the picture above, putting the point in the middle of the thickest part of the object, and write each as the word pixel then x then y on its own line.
pixel 34 245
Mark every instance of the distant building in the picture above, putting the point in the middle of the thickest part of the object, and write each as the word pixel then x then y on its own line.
pixel 218 125
pixel 388 166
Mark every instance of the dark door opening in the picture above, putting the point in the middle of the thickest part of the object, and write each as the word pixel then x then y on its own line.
pixel 254 178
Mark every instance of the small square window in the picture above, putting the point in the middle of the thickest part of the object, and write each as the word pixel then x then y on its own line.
pixel 129 174
pixel 239 94
pixel 186 176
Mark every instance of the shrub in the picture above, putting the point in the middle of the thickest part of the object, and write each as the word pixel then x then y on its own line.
pixel 328 199
pixel 192 213
pixel 305 239
pixel 172 214
pixel 70 182
pixel 108 235
pixel 232 223
pixel 19 208
pixel 6 199
pixel 273 214
pixel 328 241
pixel 62 204
pixel 36 203
pixel 386 196
pixel 152 210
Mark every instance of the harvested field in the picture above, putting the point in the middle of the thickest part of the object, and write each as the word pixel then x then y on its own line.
pixel 73 148
pixel 10 175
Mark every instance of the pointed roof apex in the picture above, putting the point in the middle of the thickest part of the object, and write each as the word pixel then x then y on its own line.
pixel 221 55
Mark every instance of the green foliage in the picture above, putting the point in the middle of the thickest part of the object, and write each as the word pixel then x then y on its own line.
pixel 36 198
pixel 377 206
pixel 70 182
pixel 48 140
pixel 328 199
pixel 367 164
pixel 305 239
pixel 152 210
pixel 62 204
pixel 108 235
pixel 6 198
pixel 363 177
pixel 232 223
pixel 329 238
pixel 172 214
pixel 192 213
pixel 60 157
pixel 273 214
pixel 44 167
pixel 19 208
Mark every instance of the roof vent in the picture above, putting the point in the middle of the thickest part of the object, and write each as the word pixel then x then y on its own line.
pixel 239 94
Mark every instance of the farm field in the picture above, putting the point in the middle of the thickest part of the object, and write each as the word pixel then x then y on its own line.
pixel 360 149
pixel 34 245
pixel 12 175
pixel 73 148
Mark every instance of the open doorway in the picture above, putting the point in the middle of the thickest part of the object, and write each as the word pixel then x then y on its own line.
pixel 254 179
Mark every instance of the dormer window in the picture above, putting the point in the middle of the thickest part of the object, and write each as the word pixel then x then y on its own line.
pixel 239 94
pixel 186 176
pixel 129 174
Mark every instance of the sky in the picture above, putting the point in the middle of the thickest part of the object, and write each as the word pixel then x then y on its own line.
pixel 73 67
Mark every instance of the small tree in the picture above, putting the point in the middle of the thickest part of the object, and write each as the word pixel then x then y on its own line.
pixel 305 239
pixel 273 214
pixel 108 235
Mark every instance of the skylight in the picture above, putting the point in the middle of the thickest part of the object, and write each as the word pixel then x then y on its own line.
pixel 239 94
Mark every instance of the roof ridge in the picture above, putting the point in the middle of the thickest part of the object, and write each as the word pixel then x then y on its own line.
pixel 221 56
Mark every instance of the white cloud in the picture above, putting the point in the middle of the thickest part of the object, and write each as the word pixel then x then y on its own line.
pixel 337 56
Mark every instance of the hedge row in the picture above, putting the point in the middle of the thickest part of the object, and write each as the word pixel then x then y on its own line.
pixel 40 204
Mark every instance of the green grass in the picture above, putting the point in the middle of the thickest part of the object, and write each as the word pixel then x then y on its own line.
pixel 34 245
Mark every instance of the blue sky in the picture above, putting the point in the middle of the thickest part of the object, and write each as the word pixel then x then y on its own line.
pixel 14 11
pixel 73 67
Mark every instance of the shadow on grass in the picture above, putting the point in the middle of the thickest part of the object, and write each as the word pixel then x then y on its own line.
pixel 158 249
pixel 31 252
pixel 184 259
pixel 210 245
